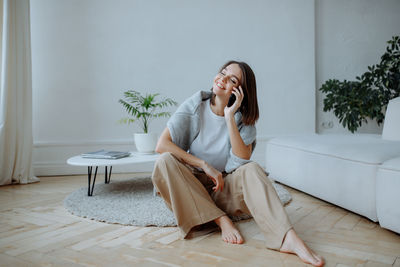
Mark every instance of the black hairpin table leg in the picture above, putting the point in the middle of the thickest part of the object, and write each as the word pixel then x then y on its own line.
pixel 91 186
pixel 107 175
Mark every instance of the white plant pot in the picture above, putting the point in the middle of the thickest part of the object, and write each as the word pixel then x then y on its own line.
pixel 145 142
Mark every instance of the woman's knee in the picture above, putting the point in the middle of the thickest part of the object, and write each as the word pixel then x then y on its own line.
pixel 163 160
pixel 253 167
pixel 165 157
pixel 254 171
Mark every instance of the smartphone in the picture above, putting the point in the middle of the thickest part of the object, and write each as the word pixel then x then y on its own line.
pixel 231 100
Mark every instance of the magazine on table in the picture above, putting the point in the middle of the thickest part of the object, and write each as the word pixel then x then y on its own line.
pixel 105 154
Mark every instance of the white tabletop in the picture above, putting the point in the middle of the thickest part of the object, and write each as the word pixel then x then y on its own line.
pixel 135 157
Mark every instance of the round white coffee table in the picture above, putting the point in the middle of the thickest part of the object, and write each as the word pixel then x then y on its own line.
pixel 135 157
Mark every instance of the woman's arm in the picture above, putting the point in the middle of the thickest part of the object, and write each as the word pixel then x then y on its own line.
pixel 239 148
pixel 165 144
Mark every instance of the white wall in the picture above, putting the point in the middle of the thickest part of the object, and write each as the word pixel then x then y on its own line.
pixel 86 53
pixel 351 35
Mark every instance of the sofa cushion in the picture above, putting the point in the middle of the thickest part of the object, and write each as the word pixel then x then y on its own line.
pixel 391 165
pixel 364 148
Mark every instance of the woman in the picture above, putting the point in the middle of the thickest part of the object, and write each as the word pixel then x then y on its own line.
pixel 204 171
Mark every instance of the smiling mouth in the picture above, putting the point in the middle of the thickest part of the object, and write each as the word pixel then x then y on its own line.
pixel 220 86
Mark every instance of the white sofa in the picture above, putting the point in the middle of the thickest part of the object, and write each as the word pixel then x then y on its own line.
pixel 359 172
pixel 388 194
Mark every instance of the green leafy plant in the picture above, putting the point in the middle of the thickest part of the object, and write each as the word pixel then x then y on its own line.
pixel 353 102
pixel 144 108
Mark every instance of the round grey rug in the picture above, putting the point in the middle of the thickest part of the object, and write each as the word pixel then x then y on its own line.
pixel 131 202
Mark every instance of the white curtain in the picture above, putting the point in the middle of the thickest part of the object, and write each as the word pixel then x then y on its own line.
pixel 16 141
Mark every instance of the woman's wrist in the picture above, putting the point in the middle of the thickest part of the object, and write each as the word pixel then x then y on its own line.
pixel 229 118
pixel 230 123
pixel 203 164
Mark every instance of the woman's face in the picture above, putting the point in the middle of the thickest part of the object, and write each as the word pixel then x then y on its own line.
pixel 230 77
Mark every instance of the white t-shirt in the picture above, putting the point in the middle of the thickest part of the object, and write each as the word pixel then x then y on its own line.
pixel 212 142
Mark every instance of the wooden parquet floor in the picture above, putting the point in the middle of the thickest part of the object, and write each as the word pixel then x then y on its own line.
pixel 36 230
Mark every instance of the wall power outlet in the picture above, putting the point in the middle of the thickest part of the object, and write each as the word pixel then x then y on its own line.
pixel 327 124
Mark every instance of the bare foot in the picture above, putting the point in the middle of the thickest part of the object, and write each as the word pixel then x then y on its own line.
pixel 229 232
pixel 293 244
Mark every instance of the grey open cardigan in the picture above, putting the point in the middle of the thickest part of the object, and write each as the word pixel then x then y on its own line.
pixel 184 126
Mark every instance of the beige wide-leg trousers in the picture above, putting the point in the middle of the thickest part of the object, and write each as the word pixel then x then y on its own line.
pixel 188 193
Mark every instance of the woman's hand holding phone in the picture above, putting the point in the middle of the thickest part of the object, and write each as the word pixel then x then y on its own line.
pixel 230 110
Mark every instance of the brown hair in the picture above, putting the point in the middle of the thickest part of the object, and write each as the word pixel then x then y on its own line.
pixel 249 107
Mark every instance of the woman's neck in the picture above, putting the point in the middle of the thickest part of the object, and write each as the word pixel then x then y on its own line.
pixel 219 106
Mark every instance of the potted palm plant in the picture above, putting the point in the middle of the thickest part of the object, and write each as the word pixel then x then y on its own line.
pixel 144 109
